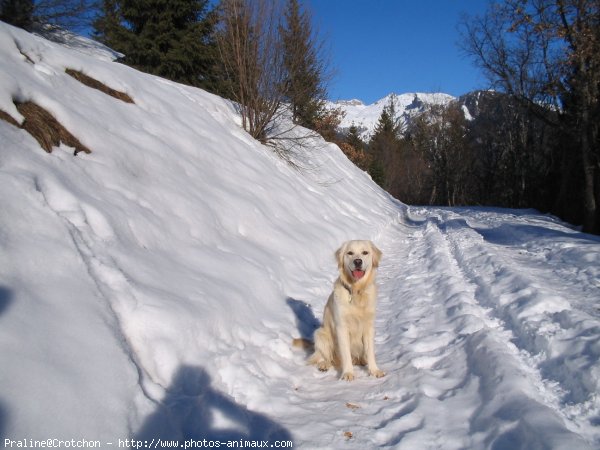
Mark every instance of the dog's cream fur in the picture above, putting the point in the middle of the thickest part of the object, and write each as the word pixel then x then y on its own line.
pixel 347 334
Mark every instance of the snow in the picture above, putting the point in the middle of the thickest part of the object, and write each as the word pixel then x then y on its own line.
pixel 407 105
pixel 152 288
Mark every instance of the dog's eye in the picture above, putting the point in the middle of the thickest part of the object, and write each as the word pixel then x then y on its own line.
pixel 365 253
pixel 350 253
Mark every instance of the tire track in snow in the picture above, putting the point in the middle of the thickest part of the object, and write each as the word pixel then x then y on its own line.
pixel 421 347
pixel 541 321
pixel 454 378
pixel 565 260
pixel 455 354
pixel 424 361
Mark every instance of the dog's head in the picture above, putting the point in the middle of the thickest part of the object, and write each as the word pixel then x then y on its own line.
pixel 357 260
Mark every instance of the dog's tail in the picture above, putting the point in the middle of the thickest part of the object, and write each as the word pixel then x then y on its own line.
pixel 304 344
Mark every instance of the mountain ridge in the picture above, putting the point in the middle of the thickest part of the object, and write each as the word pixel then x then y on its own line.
pixel 365 117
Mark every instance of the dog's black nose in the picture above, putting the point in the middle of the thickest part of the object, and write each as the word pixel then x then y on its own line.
pixel 358 263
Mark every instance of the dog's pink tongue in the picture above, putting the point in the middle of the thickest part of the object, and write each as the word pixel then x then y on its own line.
pixel 358 274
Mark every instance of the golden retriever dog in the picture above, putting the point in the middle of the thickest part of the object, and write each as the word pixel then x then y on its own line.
pixel 347 334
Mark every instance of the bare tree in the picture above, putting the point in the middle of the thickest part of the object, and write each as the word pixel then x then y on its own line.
pixel 548 52
pixel 440 135
pixel 252 56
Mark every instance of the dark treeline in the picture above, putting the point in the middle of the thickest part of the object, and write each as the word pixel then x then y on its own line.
pixel 499 154
pixel 70 14
pixel 545 54
pixel 172 39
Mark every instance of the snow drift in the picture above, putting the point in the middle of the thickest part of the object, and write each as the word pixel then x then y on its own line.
pixel 175 243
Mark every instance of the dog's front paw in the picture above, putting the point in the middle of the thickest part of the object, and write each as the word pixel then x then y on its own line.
pixel 323 366
pixel 347 376
pixel 377 373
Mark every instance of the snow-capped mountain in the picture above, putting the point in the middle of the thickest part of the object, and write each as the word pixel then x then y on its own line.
pixel 407 105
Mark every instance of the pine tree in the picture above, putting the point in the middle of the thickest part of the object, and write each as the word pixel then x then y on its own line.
pixel 354 139
pixel 385 125
pixel 108 26
pixel 388 123
pixel 304 88
pixel 384 145
pixel 17 12
pixel 354 148
pixel 169 38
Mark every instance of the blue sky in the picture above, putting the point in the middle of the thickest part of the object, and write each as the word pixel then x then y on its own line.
pixel 382 46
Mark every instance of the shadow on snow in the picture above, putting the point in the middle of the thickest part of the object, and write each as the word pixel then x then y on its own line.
pixel 193 410
pixel 6 298
pixel 306 321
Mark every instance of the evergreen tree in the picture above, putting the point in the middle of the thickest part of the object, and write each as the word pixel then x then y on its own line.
pixel 354 148
pixel 384 146
pixel 169 38
pixel 304 87
pixel 108 26
pixel 388 123
pixel 354 139
pixel 17 12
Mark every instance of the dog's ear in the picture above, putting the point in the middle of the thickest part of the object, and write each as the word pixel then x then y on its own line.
pixel 376 255
pixel 339 255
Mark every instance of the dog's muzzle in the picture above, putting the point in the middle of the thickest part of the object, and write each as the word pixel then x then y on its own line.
pixel 358 271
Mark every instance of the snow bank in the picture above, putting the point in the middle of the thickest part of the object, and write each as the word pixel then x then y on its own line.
pixel 175 244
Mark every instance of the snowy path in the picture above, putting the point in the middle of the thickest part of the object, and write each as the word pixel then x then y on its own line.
pixel 476 345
